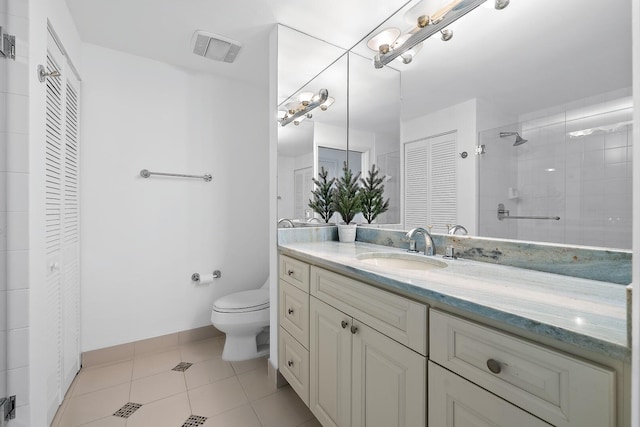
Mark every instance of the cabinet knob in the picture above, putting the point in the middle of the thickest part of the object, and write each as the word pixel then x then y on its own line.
pixel 290 363
pixel 290 272
pixel 344 324
pixel 290 311
pixel 354 329
pixel 494 366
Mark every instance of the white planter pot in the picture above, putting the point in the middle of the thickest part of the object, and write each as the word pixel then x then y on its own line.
pixel 347 232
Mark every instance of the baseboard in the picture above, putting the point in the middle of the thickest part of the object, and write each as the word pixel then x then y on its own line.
pixel 122 352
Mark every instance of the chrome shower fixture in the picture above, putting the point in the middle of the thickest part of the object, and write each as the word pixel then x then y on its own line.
pixel 519 139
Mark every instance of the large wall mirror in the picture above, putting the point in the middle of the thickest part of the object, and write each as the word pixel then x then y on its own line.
pixel 543 99
pixel 521 117
pixel 307 143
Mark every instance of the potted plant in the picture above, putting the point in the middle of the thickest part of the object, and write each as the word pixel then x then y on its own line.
pixel 346 200
pixel 372 195
pixel 322 196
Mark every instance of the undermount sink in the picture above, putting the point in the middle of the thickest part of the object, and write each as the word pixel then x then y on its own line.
pixel 400 261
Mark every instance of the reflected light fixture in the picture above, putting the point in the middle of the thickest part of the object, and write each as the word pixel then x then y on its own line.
pixel 428 17
pixel 298 111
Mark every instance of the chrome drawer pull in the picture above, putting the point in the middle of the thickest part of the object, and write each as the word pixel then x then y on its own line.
pixel 354 329
pixel 290 363
pixel 290 311
pixel 344 324
pixel 494 366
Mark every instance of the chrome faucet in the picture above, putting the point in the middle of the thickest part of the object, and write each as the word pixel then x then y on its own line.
pixel 314 219
pixel 454 229
pixel 429 246
pixel 286 221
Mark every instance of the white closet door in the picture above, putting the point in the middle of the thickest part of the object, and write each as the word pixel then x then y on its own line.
pixel 62 228
pixel 70 281
pixel 54 160
pixel 430 182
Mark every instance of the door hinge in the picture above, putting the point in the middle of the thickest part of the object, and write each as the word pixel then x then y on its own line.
pixel 7 409
pixel 480 149
pixel 7 45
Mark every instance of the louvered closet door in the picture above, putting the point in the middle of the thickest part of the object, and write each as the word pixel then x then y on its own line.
pixel 430 182
pixel 61 229
pixel 54 159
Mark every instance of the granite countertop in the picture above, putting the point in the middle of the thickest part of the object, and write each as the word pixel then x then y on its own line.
pixel 586 313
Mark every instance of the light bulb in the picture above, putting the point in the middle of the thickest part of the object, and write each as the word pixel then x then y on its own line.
pixel 384 39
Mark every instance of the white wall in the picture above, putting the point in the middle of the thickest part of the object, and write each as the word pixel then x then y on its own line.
pixel 143 238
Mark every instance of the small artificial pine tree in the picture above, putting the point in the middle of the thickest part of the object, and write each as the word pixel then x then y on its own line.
pixel 321 203
pixel 346 198
pixel 372 191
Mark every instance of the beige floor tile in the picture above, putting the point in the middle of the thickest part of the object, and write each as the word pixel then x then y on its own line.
pixel 156 387
pixel 170 412
pixel 99 377
pixel 110 421
pixel 206 372
pixel 248 365
pixel 201 350
pixel 256 383
pixel 93 406
pixel 216 398
pixel 238 417
pixel 282 409
pixel 311 423
pixel 154 363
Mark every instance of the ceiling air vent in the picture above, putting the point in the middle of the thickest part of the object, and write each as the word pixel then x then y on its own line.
pixel 214 46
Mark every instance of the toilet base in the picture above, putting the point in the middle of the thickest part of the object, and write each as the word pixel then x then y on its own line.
pixel 239 348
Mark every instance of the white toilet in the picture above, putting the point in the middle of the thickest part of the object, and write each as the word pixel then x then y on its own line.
pixel 242 316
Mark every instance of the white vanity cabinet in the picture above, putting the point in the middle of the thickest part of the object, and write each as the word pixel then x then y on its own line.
pixel 359 357
pixel 562 390
pixel 293 319
pixel 456 402
pixel 359 375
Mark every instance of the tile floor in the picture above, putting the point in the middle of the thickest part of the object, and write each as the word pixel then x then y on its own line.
pixel 209 393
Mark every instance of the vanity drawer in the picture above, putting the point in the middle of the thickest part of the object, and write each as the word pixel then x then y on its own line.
pixel 562 390
pixel 295 272
pixel 294 364
pixel 294 312
pixel 397 317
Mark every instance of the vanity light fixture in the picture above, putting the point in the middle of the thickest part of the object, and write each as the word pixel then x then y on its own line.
pixel 298 111
pixel 428 17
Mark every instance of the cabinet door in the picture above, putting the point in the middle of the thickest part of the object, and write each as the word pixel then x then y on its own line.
pixel 389 381
pixel 456 402
pixel 330 364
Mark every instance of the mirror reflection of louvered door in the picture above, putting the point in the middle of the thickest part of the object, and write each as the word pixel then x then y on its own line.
pixel 62 227
pixel 430 182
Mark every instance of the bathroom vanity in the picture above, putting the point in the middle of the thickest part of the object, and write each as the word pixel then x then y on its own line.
pixel 458 343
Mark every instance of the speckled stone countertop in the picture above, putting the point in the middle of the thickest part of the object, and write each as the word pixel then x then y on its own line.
pixel 586 313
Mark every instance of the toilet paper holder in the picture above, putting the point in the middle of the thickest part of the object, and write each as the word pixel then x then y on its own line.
pixel 196 276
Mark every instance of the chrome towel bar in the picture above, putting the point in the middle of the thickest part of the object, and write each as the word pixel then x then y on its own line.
pixel 145 173
pixel 504 214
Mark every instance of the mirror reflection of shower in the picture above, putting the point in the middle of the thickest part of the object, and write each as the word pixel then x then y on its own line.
pixel 578 168
pixel 519 139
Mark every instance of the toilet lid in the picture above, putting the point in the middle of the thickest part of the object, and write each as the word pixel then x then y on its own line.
pixel 243 301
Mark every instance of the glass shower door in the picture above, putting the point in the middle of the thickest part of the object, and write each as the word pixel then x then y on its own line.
pixel 3 225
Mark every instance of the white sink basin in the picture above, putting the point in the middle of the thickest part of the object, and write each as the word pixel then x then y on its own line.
pixel 400 261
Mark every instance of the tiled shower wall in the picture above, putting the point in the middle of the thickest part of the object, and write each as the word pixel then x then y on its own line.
pixel 14 173
pixel 583 179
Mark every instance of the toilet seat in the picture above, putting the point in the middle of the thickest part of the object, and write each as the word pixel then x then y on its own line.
pixel 241 302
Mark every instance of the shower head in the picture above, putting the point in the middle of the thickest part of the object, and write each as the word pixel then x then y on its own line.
pixel 519 139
